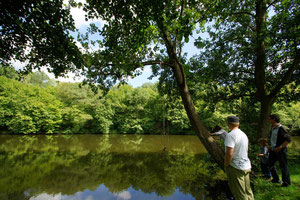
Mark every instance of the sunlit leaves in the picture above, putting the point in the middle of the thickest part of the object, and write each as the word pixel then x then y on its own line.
pixel 28 109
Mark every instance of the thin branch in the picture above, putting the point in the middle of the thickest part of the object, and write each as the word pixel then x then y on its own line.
pixel 156 62
pixel 252 28
pixel 244 12
pixel 272 3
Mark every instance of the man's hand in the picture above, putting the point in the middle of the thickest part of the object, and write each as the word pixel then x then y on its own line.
pixel 228 156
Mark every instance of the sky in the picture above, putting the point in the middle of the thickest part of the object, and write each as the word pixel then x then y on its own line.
pixel 81 25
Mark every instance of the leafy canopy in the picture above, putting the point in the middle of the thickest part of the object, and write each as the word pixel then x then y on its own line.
pixel 38 34
pixel 135 35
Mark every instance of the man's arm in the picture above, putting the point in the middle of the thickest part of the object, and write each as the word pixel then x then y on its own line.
pixel 287 139
pixel 228 156
pixel 284 144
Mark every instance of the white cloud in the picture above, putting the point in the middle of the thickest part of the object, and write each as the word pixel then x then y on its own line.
pixel 17 64
pixel 45 196
pixel 125 195
pixel 89 197
pixel 79 17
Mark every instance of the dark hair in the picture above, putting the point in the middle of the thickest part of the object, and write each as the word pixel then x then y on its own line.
pixel 216 129
pixel 275 117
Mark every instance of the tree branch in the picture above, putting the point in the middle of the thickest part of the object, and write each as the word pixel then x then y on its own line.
pixel 244 12
pixel 156 62
pixel 272 3
pixel 287 76
pixel 252 28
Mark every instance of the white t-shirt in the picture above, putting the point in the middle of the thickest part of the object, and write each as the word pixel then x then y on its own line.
pixel 238 140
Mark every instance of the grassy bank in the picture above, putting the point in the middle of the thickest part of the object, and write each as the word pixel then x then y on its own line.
pixel 264 190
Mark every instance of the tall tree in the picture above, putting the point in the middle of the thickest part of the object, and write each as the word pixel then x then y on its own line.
pixel 255 45
pixel 38 34
pixel 147 32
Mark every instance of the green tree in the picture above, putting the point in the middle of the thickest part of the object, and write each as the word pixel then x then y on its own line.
pixel 38 33
pixel 289 115
pixel 8 72
pixel 140 33
pixel 74 120
pixel 39 78
pixel 28 109
pixel 132 113
pixel 80 108
pixel 254 50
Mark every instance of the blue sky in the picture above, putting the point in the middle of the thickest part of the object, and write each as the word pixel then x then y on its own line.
pixel 103 192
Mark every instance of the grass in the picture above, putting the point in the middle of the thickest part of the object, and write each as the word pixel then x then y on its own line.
pixel 264 190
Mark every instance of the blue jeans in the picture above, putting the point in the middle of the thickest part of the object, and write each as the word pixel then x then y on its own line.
pixel 281 158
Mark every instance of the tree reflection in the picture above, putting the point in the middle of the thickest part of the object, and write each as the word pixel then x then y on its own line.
pixel 31 165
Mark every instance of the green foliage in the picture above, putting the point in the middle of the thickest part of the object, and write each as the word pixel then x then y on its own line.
pixel 289 116
pixel 131 109
pixel 38 34
pixel 70 109
pixel 28 109
pixel 8 72
pixel 39 78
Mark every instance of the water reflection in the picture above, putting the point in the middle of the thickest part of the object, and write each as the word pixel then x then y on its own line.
pixel 103 193
pixel 104 167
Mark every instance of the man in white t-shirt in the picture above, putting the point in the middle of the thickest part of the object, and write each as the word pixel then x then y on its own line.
pixel 236 162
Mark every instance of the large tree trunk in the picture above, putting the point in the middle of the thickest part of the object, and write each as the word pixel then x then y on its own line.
pixel 201 131
pixel 260 76
pixel 263 124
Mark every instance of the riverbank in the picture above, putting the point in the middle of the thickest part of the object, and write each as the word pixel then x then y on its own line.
pixel 264 190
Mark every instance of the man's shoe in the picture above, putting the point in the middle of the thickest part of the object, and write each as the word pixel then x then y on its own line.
pixel 285 185
pixel 275 181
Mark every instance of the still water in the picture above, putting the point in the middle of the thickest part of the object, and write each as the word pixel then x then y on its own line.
pixel 90 167
pixel 117 167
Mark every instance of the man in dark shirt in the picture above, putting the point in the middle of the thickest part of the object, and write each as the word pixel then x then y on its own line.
pixel 279 141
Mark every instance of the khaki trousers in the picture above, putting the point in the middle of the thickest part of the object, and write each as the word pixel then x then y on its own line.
pixel 239 183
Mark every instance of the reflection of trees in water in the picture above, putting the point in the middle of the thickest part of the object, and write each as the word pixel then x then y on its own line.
pixel 68 165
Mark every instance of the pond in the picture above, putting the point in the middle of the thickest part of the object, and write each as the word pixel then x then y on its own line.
pixel 110 167
pixel 91 167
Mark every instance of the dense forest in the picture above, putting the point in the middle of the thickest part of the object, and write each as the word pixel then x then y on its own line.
pixel 36 104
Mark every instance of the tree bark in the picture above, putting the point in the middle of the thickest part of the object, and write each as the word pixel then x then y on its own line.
pixel 260 77
pixel 265 111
